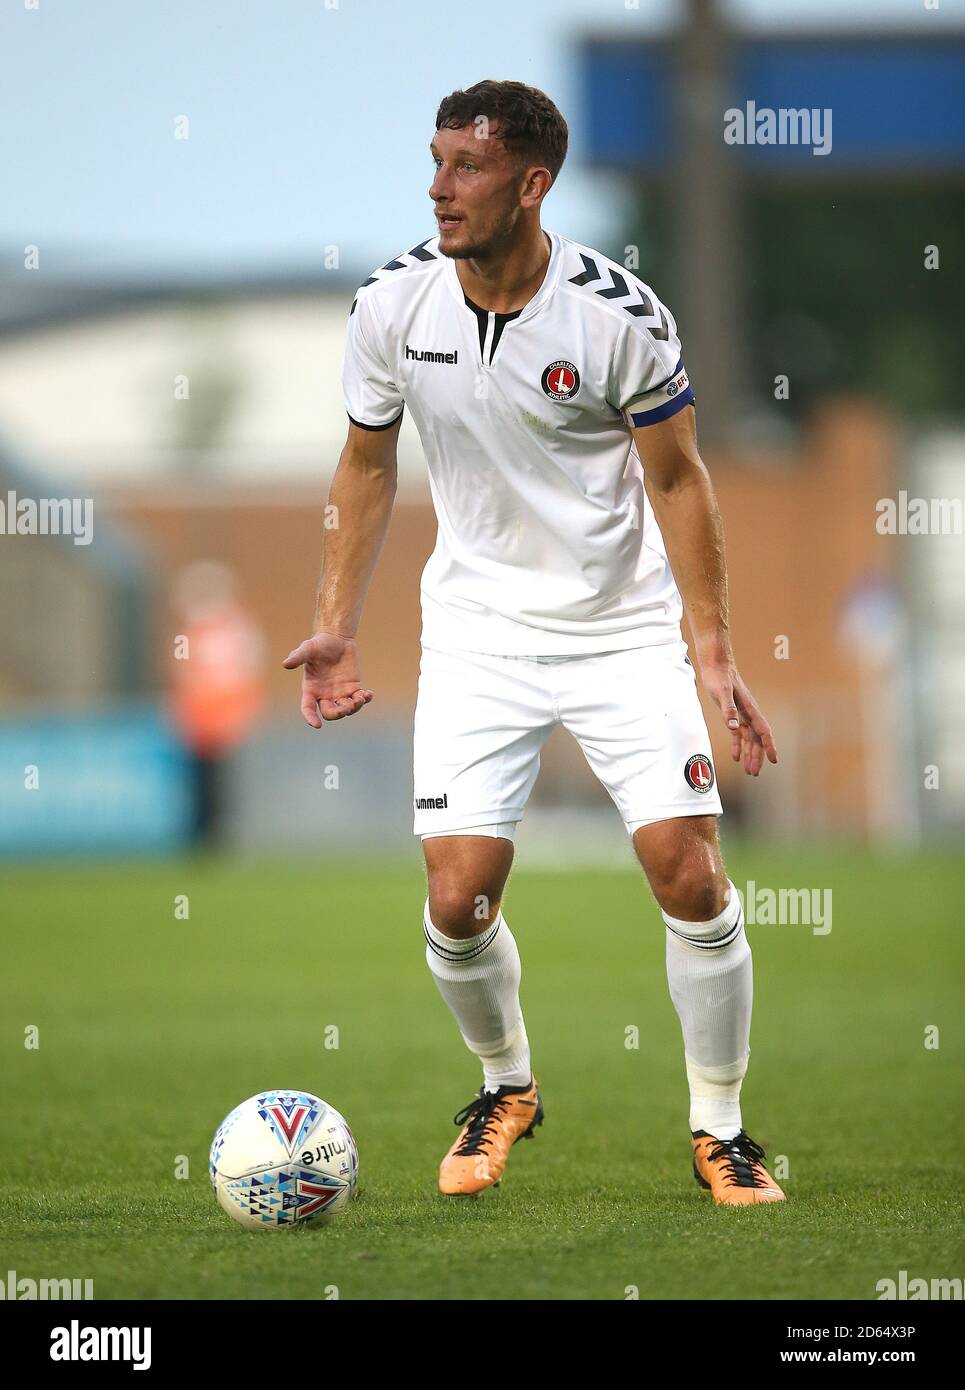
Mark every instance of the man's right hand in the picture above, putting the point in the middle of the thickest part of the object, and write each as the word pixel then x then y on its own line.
pixel 331 686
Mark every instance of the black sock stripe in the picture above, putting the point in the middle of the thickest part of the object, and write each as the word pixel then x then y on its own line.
pixel 702 945
pixel 452 956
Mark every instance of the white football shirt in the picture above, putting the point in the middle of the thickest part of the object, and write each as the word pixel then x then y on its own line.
pixel 547 544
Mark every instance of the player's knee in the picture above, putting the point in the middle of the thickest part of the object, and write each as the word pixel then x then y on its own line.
pixel 692 889
pixel 458 909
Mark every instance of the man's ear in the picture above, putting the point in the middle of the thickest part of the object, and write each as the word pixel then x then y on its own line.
pixel 536 184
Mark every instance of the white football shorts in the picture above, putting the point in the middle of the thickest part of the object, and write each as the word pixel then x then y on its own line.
pixel 481 722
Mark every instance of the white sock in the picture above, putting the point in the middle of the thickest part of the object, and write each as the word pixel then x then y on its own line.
pixel 711 983
pixel 479 980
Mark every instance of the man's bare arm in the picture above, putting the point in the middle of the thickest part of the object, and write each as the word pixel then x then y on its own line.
pixel 683 500
pixel 362 494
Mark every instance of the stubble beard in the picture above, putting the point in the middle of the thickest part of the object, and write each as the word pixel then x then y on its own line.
pixel 494 246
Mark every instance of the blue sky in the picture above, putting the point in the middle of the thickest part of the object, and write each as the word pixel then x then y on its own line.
pixel 309 124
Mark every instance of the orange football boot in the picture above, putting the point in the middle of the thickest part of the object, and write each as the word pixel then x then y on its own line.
pixel 733 1170
pixel 491 1125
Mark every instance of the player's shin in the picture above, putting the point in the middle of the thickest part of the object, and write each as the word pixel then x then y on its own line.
pixel 479 977
pixel 710 974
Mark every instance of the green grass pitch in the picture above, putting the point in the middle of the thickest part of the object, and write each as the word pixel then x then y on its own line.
pixel 152 1028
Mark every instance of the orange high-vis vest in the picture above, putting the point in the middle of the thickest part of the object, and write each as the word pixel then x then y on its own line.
pixel 218 690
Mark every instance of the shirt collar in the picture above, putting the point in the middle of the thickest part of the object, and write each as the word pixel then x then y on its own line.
pixel 550 279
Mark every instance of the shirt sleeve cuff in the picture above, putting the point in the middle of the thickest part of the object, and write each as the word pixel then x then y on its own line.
pixel 387 426
pixel 643 416
pixel 661 401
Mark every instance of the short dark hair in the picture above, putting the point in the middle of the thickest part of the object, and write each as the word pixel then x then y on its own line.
pixel 530 126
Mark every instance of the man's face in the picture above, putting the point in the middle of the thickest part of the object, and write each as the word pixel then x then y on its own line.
pixel 476 192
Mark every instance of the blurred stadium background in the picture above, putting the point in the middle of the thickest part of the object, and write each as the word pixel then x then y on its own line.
pixel 192 195
pixel 170 349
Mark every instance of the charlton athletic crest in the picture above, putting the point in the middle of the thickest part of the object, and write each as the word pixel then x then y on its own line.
pixel 699 773
pixel 560 381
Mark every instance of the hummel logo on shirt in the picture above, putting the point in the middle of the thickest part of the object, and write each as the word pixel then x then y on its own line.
pixel 423 356
pixel 432 803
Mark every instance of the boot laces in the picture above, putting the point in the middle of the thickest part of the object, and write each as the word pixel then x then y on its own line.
pixel 741 1159
pixel 480 1117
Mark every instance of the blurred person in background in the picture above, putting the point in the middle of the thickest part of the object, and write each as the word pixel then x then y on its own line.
pixel 217 691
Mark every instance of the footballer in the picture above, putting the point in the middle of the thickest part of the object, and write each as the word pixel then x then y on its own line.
pixel 576 523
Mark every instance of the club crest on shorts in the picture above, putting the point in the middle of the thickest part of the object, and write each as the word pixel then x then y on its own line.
pixel 560 381
pixel 699 772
